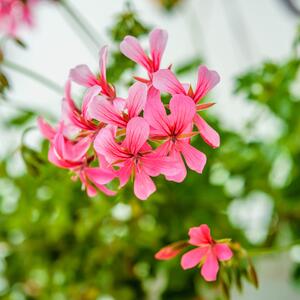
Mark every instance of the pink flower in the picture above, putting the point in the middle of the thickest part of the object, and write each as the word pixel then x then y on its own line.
pixel 75 119
pixel 134 156
pixel 208 253
pixel 120 111
pixel 166 81
pixel 72 155
pixel 131 48
pixel 82 75
pixel 14 13
pixel 175 130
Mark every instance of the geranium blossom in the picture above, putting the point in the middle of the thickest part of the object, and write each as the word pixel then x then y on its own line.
pixel 14 13
pixel 82 75
pixel 134 136
pixel 131 48
pixel 207 254
pixel 166 81
pixel 175 130
pixel 134 157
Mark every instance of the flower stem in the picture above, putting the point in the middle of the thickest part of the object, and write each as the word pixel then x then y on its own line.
pixel 266 251
pixel 81 23
pixel 34 75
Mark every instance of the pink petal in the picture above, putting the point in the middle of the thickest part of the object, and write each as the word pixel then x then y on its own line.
pixel 143 185
pixel 158 42
pixel 207 79
pixel 137 97
pixel 137 133
pixel 46 130
pixel 90 94
pixel 209 135
pixel 166 81
pixel 194 158
pixel 155 114
pixel 181 169
pixel 154 165
pixel 125 172
pixel 106 145
pixel 104 110
pixel 105 190
pixel 75 152
pixel 210 268
pixel 223 251
pixel 99 175
pixel 82 75
pixel 103 62
pixel 192 258
pixel 171 250
pixel 182 113
pixel 200 236
pixel 131 48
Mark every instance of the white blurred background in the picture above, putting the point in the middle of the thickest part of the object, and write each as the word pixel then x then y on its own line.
pixel 232 36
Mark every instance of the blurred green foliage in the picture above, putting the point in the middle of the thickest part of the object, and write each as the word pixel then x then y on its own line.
pixel 56 243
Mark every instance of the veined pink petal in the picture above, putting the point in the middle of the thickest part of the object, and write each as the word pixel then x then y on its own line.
pixel 155 114
pixel 182 113
pixel 209 135
pixel 210 267
pixel 143 185
pixel 54 159
pixel 104 110
pixel 207 79
pixel 131 48
pixel 99 175
pixel 46 130
pixel 181 169
pixel 194 158
pixel 136 100
pixel 166 81
pixel 154 165
pixel 137 133
pixel 193 257
pixel 106 145
pixel 90 94
pixel 125 172
pixel 82 75
pixel 200 236
pixel 76 151
pixel 103 62
pixel 158 41
pixel 223 251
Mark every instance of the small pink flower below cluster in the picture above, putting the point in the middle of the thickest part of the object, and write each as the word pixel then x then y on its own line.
pixel 134 137
pixel 206 254
pixel 14 14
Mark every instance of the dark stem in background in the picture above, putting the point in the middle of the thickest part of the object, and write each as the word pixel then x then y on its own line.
pixel 85 28
pixel 34 75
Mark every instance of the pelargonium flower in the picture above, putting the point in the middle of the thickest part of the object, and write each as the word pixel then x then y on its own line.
pixel 83 76
pixel 131 48
pixel 206 255
pixel 71 155
pixel 175 130
pixel 15 13
pixel 166 81
pixel 134 156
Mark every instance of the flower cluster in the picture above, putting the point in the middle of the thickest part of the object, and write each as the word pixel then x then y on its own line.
pixel 206 255
pixel 14 13
pixel 138 136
